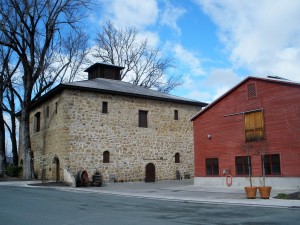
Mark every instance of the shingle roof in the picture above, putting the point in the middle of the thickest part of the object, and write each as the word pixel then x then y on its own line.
pixel 119 88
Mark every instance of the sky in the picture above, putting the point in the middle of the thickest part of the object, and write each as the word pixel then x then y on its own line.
pixel 215 43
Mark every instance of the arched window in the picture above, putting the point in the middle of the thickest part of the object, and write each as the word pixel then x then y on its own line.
pixel 177 158
pixel 106 157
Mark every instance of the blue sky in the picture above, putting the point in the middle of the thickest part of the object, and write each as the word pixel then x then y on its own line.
pixel 215 43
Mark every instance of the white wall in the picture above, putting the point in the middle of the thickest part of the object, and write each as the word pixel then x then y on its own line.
pixel 275 182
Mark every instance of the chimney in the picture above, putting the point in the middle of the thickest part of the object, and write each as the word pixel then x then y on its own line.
pixel 104 70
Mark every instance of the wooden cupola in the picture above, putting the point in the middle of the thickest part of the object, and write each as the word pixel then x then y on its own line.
pixel 104 70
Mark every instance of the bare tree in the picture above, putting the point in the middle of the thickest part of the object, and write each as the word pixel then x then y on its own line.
pixel 10 107
pixel 143 65
pixel 3 60
pixel 6 74
pixel 37 32
pixel 8 103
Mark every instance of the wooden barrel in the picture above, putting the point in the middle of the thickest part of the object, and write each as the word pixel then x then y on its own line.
pixel 82 178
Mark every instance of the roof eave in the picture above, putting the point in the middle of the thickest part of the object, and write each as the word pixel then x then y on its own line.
pixel 236 86
pixel 61 87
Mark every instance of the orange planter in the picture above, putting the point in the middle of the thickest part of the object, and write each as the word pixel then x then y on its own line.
pixel 251 192
pixel 264 192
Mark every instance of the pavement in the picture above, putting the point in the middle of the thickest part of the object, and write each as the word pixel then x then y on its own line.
pixel 177 190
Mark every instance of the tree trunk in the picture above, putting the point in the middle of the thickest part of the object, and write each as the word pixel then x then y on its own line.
pixel 25 135
pixel 2 139
pixel 14 145
pixel 13 133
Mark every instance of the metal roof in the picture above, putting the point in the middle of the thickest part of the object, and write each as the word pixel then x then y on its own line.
pixel 103 64
pixel 117 87
pixel 125 88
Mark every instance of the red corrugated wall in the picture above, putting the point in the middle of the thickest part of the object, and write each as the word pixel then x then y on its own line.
pixel 281 105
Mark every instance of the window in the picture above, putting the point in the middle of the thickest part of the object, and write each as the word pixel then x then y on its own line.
pixel 143 118
pixel 37 121
pixel 106 157
pixel 212 167
pixel 254 126
pixel 177 158
pixel 242 166
pixel 175 114
pixel 251 90
pixel 104 107
pixel 272 164
pixel 47 112
pixel 56 105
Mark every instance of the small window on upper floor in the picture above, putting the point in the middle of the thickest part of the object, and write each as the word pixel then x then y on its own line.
pixel 177 158
pixel 143 121
pixel 175 114
pixel 47 112
pixel 104 107
pixel 37 122
pixel 251 88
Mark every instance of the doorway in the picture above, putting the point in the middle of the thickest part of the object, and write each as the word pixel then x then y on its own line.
pixel 55 169
pixel 150 173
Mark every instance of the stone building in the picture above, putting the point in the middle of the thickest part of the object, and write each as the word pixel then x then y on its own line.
pixel 126 132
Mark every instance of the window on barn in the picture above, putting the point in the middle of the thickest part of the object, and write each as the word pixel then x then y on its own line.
pixel 242 166
pixel 106 157
pixel 254 126
pixel 143 121
pixel 175 114
pixel 177 158
pixel 37 122
pixel 212 166
pixel 104 107
pixel 47 112
pixel 251 88
pixel 272 164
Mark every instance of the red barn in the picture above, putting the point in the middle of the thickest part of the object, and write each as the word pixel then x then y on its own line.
pixel 259 118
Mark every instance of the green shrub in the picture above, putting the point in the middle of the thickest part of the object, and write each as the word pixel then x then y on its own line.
pixel 14 171
pixel 282 196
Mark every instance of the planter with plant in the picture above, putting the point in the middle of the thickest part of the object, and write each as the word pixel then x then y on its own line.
pixel 264 191
pixel 250 190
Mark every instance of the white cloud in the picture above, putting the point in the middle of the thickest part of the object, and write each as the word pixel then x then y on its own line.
pixel 188 60
pixel 209 88
pixel 135 13
pixel 220 81
pixel 152 38
pixel 261 36
pixel 170 15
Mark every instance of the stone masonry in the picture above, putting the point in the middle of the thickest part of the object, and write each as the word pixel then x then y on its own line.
pixel 76 135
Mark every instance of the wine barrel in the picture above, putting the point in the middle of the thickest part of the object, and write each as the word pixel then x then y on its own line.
pixel 82 178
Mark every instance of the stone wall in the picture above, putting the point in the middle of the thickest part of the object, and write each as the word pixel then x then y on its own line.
pixel 52 140
pixel 79 133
